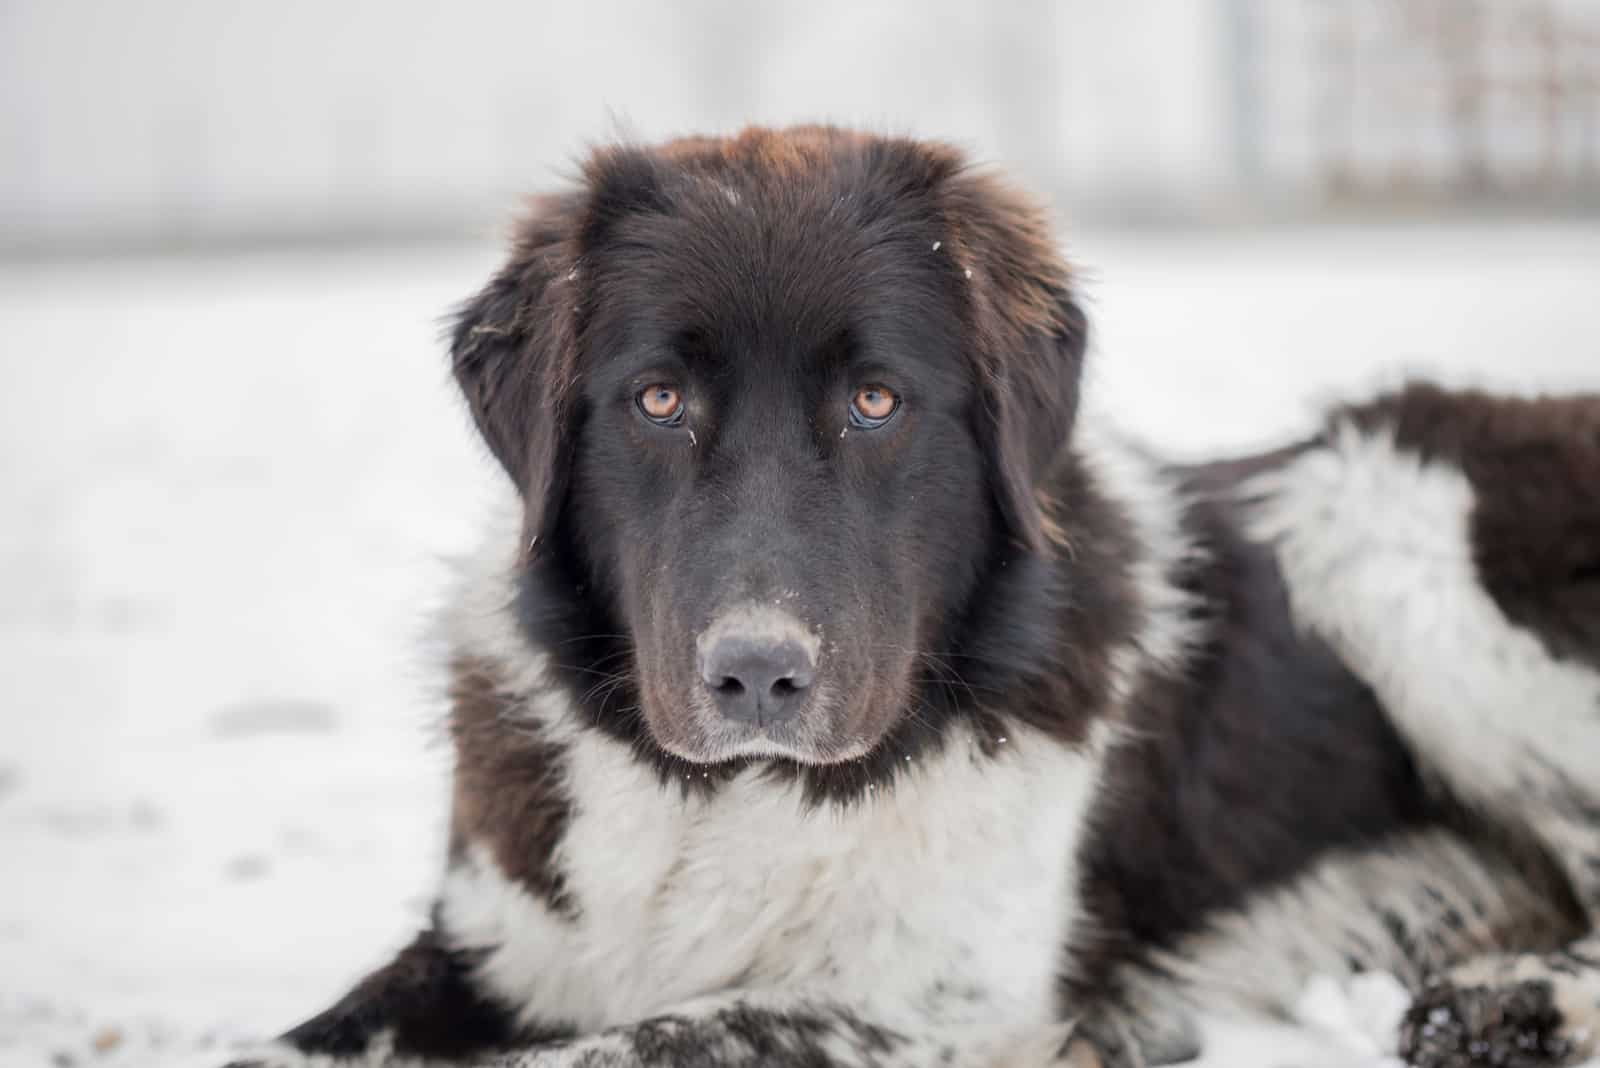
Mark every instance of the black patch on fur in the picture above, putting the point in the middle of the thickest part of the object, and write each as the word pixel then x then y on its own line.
pixel 1263 754
pixel 1534 466
pixel 427 999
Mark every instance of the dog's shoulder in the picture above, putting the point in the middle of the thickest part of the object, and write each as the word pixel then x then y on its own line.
pixel 1256 753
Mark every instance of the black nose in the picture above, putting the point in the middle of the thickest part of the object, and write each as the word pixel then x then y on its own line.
pixel 757 680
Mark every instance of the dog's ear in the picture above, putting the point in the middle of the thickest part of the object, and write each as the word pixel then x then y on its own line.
pixel 514 346
pixel 1029 338
pixel 513 352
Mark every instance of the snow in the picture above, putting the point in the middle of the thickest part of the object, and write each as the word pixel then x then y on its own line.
pixel 230 489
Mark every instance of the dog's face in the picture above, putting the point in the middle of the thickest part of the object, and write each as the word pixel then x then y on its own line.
pixel 771 425
pixel 777 463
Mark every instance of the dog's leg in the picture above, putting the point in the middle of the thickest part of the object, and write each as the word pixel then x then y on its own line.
pixel 1402 556
pixel 736 1030
pixel 793 1029
pixel 429 1007
pixel 741 1029
pixel 424 1006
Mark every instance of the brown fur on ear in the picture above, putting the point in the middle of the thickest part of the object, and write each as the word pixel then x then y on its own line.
pixel 514 346
pixel 513 351
pixel 1029 337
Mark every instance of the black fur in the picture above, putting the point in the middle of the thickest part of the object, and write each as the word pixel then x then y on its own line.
pixel 427 1001
pixel 1264 754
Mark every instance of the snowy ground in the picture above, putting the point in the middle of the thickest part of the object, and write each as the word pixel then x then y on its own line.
pixel 229 488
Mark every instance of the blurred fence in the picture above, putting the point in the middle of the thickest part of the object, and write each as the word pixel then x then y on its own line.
pixel 1408 100
pixel 191 121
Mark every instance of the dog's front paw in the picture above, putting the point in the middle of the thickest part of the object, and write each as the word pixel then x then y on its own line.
pixel 1516 1025
pixel 1118 1037
pixel 1100 1041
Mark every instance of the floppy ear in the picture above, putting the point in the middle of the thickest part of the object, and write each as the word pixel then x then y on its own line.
pixel 1029 337
pixel 514 346
pixel 513 351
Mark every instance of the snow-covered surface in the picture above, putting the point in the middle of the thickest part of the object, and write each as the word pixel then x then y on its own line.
pixel 230 488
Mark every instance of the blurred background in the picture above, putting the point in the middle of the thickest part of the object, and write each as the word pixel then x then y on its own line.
pixel 233 473
pixel 188 123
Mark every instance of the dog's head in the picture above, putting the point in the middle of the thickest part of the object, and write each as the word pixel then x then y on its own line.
pixel 774 404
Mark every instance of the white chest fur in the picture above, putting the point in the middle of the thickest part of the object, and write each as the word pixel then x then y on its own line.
pixel 945 899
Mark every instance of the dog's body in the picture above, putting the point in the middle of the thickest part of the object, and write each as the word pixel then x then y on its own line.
pixel 1043 742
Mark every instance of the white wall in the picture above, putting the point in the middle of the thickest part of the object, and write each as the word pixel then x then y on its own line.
pixel 198 119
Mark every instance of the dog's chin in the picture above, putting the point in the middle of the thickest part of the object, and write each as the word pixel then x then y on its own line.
pixel 721 742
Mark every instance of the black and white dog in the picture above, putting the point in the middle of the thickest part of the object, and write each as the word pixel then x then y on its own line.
pixel 836 695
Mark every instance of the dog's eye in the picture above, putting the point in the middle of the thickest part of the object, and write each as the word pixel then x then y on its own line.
pixel 872 406
pixel 661 404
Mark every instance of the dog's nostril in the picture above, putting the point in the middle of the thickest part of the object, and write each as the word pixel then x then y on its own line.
pixel 786 687
pixel 730 686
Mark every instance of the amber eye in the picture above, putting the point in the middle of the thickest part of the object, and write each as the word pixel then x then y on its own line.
pixel 662 404
pixel 872 406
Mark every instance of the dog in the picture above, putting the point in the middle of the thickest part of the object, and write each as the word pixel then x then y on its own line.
pixel 835 693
